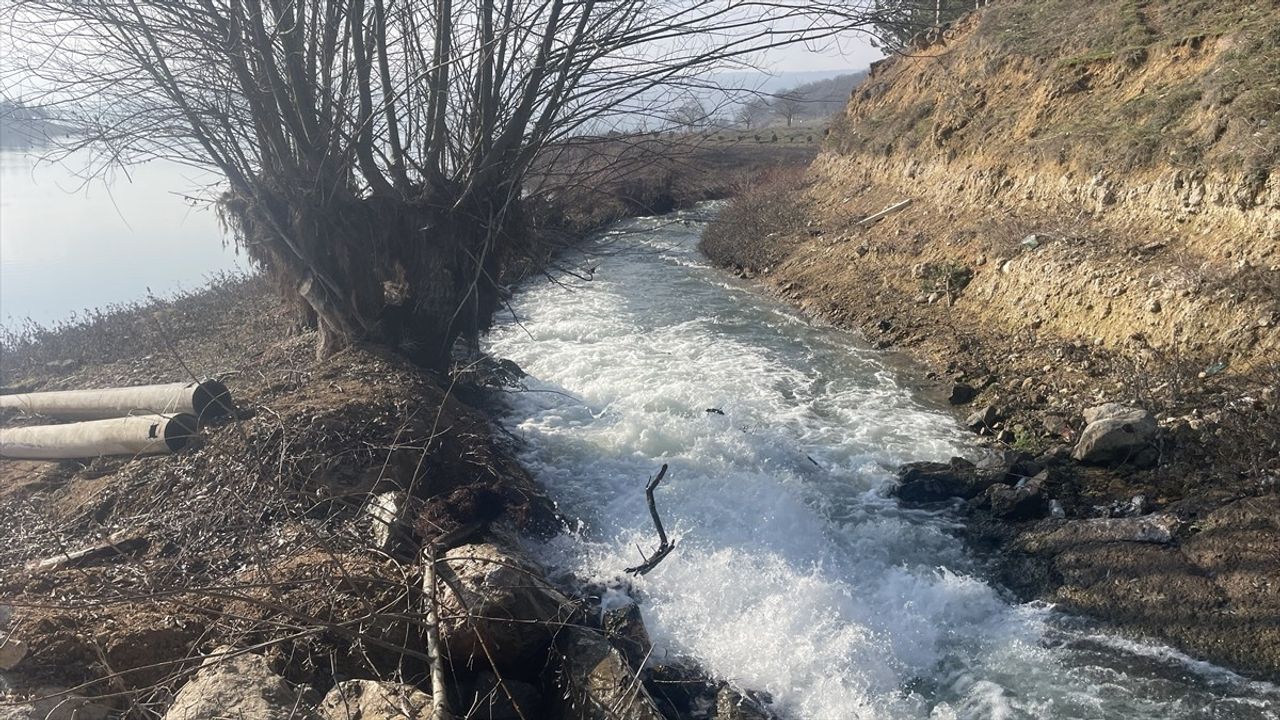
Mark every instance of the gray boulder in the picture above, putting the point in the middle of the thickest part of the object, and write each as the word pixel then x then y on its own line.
pixel 374 700
pixel 624 626
pixel 503 605
pixel 240 685
pixel 1114 433
pixel 924 482
pixel 597 683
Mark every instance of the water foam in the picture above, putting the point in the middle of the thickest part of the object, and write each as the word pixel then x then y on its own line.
pixel 793 573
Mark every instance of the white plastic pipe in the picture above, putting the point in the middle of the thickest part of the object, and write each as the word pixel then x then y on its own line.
pixel 136 435
pixel 205 400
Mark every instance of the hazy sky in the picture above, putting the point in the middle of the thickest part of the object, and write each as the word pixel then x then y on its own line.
pixel 851 52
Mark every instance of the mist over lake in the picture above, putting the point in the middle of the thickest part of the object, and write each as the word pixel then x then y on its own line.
pixel 67 244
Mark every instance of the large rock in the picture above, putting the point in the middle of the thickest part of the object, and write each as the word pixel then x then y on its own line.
pixel 624 626
pixel 504 606
pixel 1114 433
pixel 374 700
pixel 1015 502
pixel 238 686
pixel 733 705
pixel 924 482
pixel 596 682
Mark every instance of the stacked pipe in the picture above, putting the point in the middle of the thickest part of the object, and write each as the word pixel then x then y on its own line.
pixel 141 420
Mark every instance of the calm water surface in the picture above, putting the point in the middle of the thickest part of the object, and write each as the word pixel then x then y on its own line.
pixel 67 245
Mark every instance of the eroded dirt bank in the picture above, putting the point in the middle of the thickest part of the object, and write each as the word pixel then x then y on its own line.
pixel 1093 219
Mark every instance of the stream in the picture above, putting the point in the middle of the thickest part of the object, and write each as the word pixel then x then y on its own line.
pixel 793 573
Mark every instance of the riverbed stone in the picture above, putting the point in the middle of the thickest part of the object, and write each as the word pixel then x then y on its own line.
pixel 624 626
pixel 962 394
pixel 984 420
pixel 231 685
pixel 497 604
pixel 595 682
pixel 924 482
pixel 375 700
pixel 1114 433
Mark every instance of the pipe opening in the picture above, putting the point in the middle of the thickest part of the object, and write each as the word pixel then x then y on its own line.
pixel 179 431
pixel 211 400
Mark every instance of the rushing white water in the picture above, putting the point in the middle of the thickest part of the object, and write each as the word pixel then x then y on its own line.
pixel 793 573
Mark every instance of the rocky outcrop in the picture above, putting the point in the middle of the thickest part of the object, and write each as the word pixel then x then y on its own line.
pixel 497 604
pixel 624 627
pixel 235 684
pixel 374 700
pixel 925 482
pixel 1115 433
pixel 597 682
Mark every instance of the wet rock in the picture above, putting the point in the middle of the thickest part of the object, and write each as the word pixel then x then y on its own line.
pixel 625 628
pixel 1020 466
pixel 596 682
pixel 733 705
pixel 504 603
pixel 239 686
pixel 53 704
pixel 1114 433
pixel 1016 503
pixel 962 394
pixel 681 689
pixel 505 700
pixel 925 482
pixel 374 700
pixel 984 421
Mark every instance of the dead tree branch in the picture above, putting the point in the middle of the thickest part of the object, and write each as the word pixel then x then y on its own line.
pixel 665 546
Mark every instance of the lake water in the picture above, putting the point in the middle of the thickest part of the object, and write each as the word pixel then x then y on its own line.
pixel 67 245
pixel 794 572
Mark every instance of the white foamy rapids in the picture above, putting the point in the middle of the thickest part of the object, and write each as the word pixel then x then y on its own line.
pixel 792 574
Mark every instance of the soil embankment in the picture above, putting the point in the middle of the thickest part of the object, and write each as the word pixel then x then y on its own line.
pixel 1094 218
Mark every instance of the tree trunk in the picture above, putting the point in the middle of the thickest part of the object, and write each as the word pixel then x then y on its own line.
pixel 412 276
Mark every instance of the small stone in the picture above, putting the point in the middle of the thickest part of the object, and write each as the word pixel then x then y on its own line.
pixel 12 653
pixel 983 421
pixel 1154 305
pixel 1031 242
pixel 962 394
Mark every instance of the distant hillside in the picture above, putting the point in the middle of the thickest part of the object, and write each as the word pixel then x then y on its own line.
pixel 22 126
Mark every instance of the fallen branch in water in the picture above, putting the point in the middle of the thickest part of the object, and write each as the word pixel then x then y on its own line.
pixel 664 545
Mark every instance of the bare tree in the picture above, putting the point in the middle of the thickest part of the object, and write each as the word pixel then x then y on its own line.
pixel 375 151
pixel 691 114
pixel 752 113
pixel 787 106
